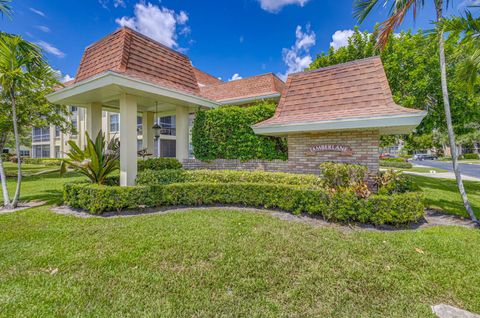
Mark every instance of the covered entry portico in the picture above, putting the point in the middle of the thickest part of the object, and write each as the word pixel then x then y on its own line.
pixel 111 91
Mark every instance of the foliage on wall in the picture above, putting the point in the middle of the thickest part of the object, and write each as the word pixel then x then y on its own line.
pixel 226 133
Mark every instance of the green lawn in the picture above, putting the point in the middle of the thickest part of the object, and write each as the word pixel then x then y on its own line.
pixel 27 169
pixel 225 263
pixel 442 194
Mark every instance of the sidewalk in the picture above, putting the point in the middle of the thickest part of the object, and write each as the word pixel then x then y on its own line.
pixel 441 175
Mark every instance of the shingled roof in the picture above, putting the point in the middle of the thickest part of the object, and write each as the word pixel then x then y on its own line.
pixel 266 85
pixel 349 91
pixel 131 53
pixel 205 79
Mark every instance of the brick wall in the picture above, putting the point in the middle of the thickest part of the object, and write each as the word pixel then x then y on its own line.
pixel 364 144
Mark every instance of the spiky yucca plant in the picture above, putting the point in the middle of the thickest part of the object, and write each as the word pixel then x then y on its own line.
pixel 97 160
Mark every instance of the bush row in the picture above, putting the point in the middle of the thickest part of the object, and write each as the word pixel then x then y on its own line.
pixel 470 156
pixel 336 206
pixel 149 177
pixel 42 161
pixel 394 159
pixel 159 164
pixel 395 164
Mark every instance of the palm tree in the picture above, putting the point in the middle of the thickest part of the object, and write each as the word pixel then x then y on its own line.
pixel 5 8
pixel 21 64
pixel 398 11
pixel 469 27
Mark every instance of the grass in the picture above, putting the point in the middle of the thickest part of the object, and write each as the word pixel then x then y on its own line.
pixel 225 263
pixel 442 194
pixel 27 169
pixel 420 169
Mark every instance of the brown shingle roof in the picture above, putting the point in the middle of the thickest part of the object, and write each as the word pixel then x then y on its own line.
pixel 357 89
pixel 131 53
pixel 250 87
pixel 205 79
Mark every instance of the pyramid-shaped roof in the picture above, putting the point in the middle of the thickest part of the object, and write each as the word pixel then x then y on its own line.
pixel 131 53
pixel 348 91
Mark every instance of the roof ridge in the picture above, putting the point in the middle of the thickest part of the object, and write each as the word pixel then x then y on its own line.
pixel 245 78
pixel 358 61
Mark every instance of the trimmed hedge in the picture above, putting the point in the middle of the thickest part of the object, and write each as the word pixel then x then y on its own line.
pixel 42 161
pixel 471 156
pixel 226 133
pixel 337 206
pixel 159 164
pixel 149 177
pixel 395 164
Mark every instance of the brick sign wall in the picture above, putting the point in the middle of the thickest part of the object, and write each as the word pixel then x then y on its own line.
pixel 306 151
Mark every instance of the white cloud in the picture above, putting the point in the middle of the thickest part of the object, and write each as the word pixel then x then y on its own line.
pixel 235 77
pixel 40 13
pixel 43 28
pixel 67 78
pixel 159 23
pixel 47 47
pixel 297 58
pixel 274 6
pixel 119 3
pixel 116 3
pixel 340 38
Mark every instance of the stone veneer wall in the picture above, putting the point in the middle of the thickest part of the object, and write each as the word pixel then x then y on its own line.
pixel 364 143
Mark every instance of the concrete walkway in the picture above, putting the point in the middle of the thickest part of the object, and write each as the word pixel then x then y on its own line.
pixel 441 175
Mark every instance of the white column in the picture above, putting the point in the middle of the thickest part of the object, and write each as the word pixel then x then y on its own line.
pixel 81 127
pixel 93 119
pixel 148 119
pixel 128 140
pixel 181 115
pixel 52 141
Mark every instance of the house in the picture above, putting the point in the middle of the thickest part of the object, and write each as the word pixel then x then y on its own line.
pixel 336 113
pixel 111 59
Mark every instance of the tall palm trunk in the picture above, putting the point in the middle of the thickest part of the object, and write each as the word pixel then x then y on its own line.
pixel 17 146
pixel 6 197
pixel 446 104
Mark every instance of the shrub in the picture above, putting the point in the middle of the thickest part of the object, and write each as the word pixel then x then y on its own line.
pixel 394 159
pixel 390 182
pixel 159 164
pixel 149 177
pixel 343 175
pixel 42 161
pixel 395 164
pixel 339 206
pixel 226 133
pixel 99 198
pixel 471 156
pixel 97 160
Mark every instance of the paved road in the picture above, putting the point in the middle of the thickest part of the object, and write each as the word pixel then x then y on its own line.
pixel 465 168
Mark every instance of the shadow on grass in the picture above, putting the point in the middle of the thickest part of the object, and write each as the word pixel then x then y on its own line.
pixel 443 194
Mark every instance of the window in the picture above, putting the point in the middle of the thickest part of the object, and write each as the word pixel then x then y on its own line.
pixel 57 131
pixel 168 125
pixel 57 152
pixel 41 151
pixel 24 153
pixel 167 148
pixel 139 144
pixel 114 124
pixel 74 120
pixel 41 134
pixel 139 125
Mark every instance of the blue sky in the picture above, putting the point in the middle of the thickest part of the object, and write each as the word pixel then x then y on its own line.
pixel 243 37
